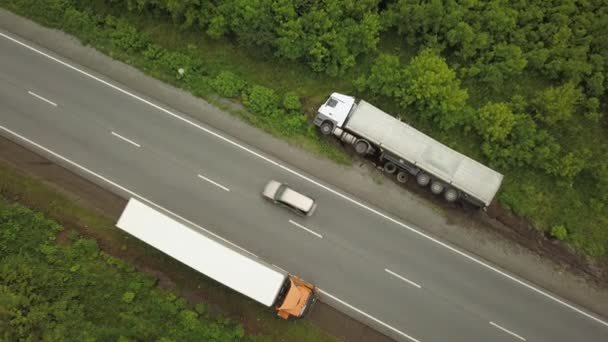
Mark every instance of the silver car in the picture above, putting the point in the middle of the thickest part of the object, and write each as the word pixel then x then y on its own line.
pixel 282 194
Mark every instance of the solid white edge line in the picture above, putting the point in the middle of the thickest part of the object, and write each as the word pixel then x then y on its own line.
pixel 402 278
pixel 306 229
pixel 368 316
pixel 125 139
pixel 507 331
pixel 280 268
pixel 42 98
pixel 214 183
pixel 56 155
pixel 513 278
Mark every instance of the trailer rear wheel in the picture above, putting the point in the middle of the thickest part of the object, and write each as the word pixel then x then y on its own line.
pixel 327 127
pixel 402 176
pixel 450 195
pixel 437 187
pixel 423 179
pixel 390 167
pixel 361 146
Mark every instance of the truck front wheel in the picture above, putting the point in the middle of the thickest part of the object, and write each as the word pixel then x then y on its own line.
pixel 327 127
pixel 423 179
pixel 361 147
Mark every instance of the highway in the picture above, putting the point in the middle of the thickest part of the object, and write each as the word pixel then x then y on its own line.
pixel 380 270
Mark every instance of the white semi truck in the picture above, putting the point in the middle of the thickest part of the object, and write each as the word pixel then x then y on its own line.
pixel 267 284
pixel 405 151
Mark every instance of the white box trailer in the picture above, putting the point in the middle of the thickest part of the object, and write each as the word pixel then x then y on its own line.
pixel 250 276
pixel 407 151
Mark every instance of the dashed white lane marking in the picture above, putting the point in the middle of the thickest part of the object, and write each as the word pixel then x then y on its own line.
pixel 306 229
pixel 507 331
pixel 369 316
pixel 402 278
pixel 42 98
pixel 214 183
pixel 125 139
pixel 118 186
pixel 194 124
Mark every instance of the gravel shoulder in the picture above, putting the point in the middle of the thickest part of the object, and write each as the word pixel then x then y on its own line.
pixel 514 247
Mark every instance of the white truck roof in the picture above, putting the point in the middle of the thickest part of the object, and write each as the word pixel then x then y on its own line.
pixel 204 254
pixel 398 137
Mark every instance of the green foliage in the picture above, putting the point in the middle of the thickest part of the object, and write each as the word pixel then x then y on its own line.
pixel 81 22
pixel 557 104
pixel 495 121
pixel 559 232
pixel 261 100
pixel 44 298
pixel 385 77
pixel 291 102
pixel 228 84
pixel 503 62
pixel 125 36
pixel 432 91
pixel 327 35
pixel 592 111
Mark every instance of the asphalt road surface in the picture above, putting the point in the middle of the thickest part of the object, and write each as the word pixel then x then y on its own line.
pixel 366 264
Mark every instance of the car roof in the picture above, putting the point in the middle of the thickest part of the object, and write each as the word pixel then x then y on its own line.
pixel 271 188
pixel 297 199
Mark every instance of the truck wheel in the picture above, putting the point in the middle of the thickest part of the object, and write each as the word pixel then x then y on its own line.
pixel 390 167
pixel 423 179
pixel 327 127
pixel 450 195
pixel 361 147
pixel 402 177
pixel 437 187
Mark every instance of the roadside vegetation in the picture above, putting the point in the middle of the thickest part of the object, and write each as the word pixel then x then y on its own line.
pixel 520 86
pixel 73 291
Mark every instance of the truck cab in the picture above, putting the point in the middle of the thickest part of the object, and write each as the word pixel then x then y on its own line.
pixel 295 298
pixel 333 112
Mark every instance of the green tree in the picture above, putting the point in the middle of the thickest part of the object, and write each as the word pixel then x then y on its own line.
pixel 501 63
pixel 495 121
pixel 385 77
pixel 432 90
pixel 557 104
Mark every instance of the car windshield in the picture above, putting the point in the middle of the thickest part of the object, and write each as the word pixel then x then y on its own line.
pixel 278 195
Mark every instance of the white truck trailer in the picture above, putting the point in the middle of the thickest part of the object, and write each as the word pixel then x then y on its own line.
pixel 406 151
pixel 269 285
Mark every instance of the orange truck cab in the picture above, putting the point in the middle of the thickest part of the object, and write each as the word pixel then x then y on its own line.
pixel 295 298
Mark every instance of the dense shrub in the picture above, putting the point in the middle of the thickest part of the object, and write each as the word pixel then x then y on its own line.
pixel 495 121
pixel 559 232
pixel 291 102
pixel 228 84
pixel 125 36
pixel 261 100
pixel 557 104
pixel 80 22
pixel 432 89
